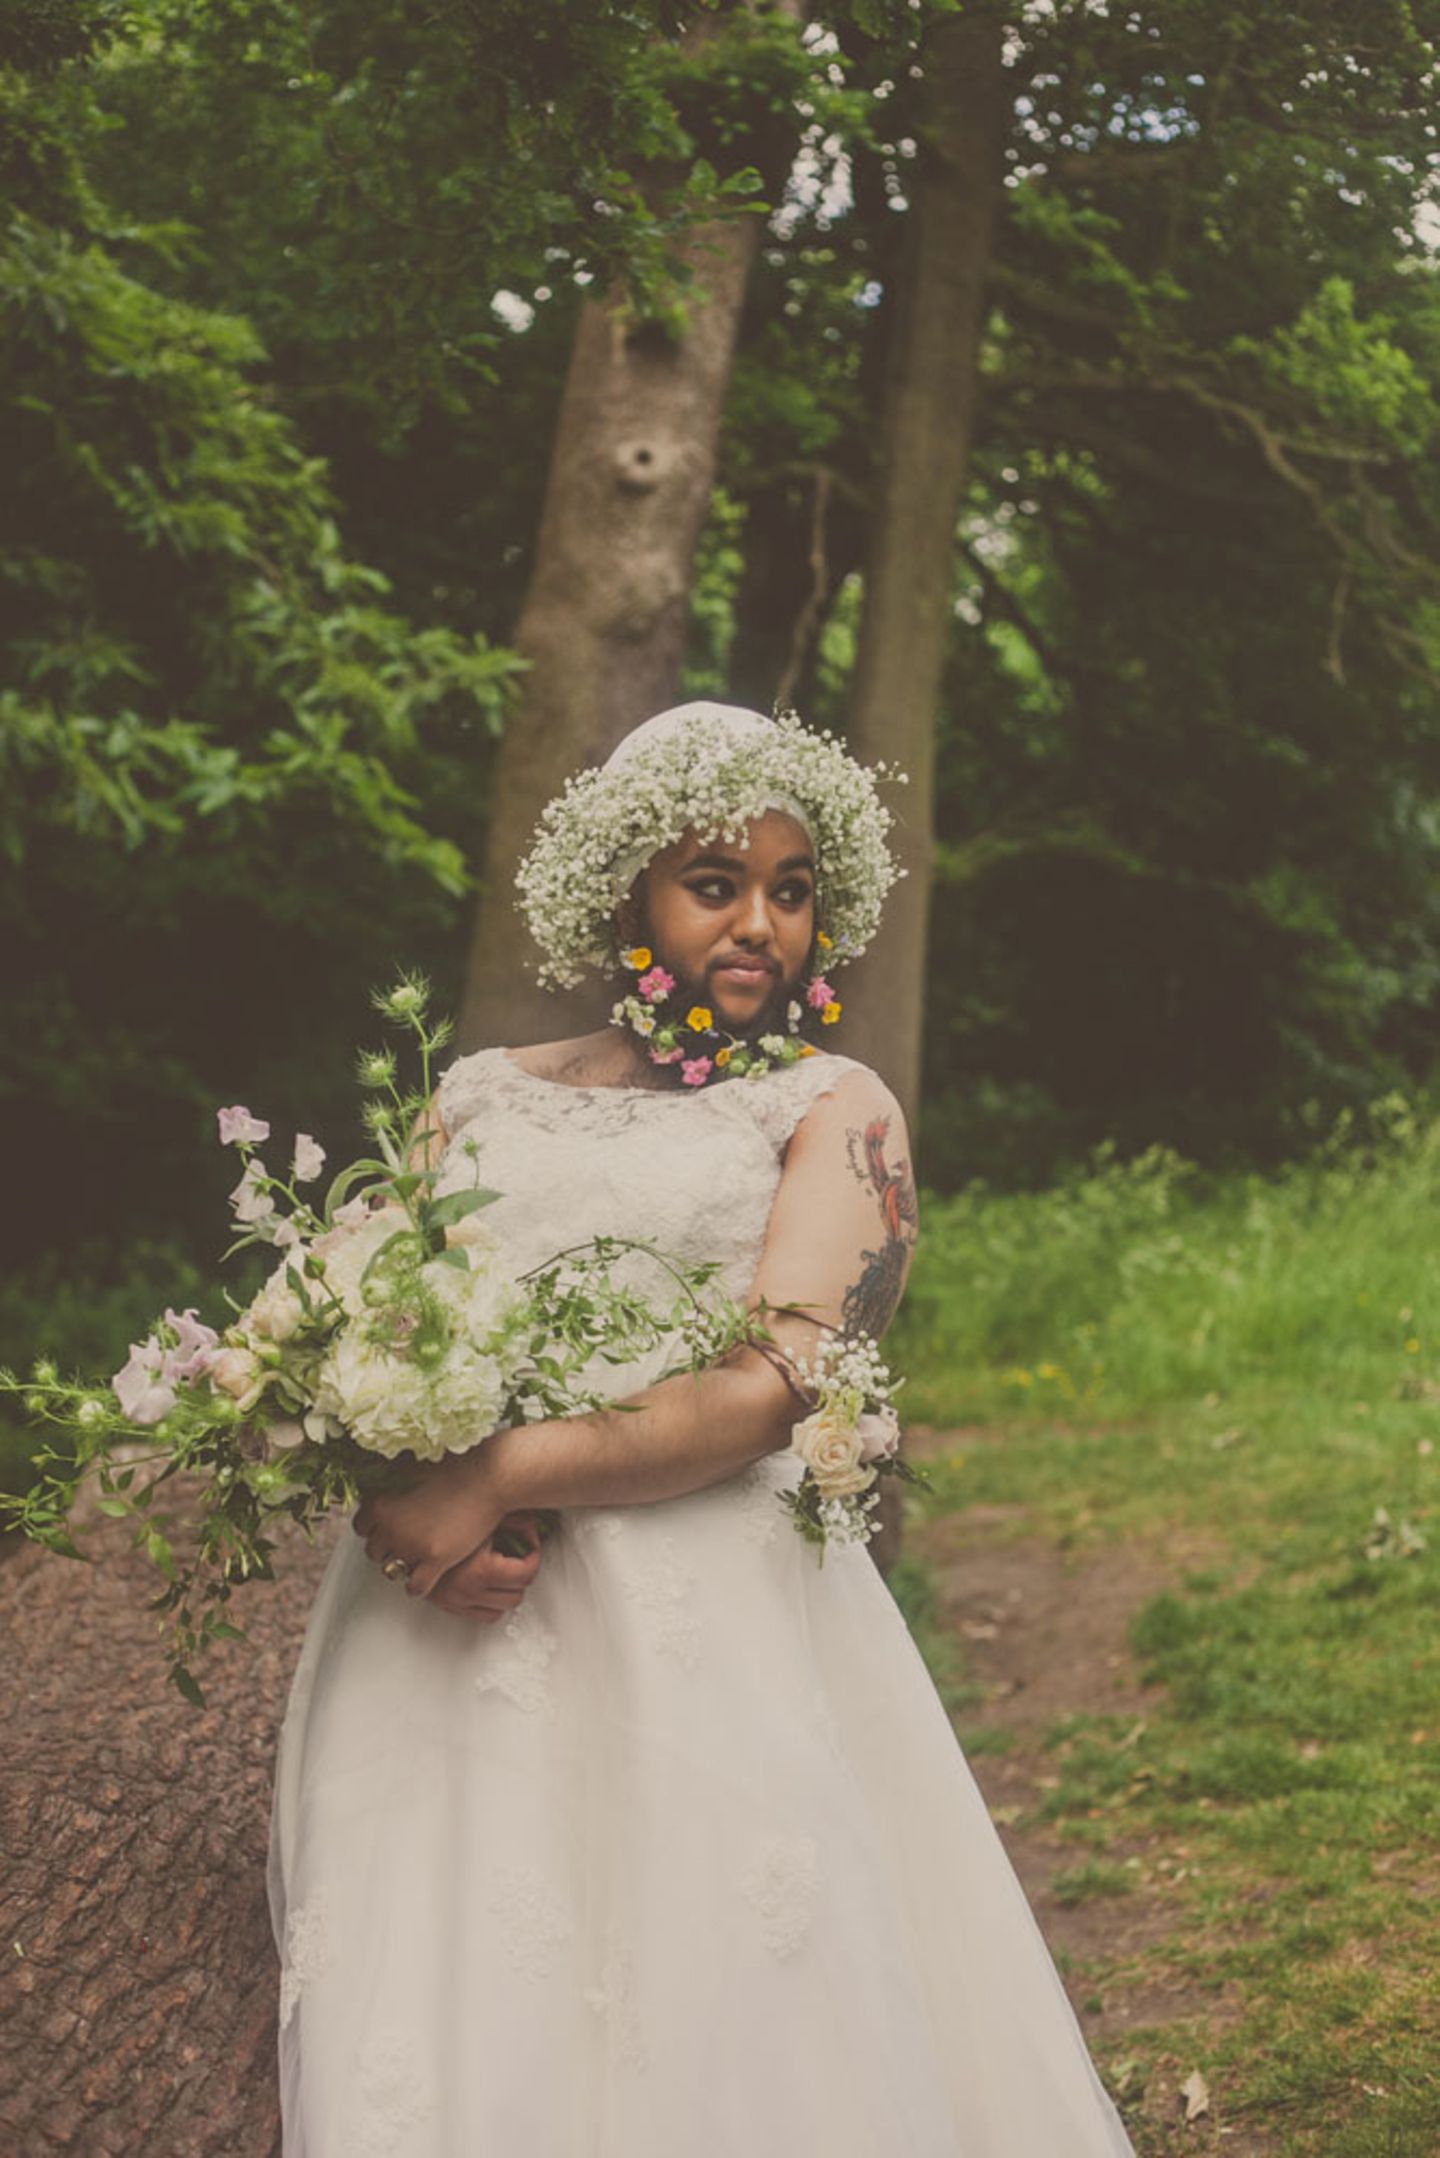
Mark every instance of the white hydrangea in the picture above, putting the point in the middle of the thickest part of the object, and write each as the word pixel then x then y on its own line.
pixel 581 863
pixel 382 1399
pixel 390 1405
pixel 368 1384
pixel 346 1253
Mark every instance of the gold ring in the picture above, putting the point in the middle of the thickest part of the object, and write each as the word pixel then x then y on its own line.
pixel 396 1569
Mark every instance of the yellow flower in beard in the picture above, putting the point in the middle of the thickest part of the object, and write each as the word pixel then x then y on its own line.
pixel 700 1019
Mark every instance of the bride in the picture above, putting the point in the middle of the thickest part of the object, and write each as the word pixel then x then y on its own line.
pixel 655 1842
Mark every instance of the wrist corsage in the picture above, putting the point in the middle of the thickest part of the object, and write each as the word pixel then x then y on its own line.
pixel 849 1440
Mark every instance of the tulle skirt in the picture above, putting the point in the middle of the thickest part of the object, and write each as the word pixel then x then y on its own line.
pixel 680 1861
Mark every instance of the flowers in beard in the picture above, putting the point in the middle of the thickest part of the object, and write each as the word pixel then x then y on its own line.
pixel 704 1052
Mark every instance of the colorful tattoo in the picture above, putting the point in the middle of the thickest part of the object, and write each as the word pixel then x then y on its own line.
pixel 871 1301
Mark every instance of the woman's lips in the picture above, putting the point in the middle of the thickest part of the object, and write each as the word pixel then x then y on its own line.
pixel 745 974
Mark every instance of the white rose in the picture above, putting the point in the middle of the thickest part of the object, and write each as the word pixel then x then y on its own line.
pixel 236 1372
pixel 831 1449
pixel 277 1311
pixel 879 1432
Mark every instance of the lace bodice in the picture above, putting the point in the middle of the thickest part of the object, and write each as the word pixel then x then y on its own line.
pixel 694 1173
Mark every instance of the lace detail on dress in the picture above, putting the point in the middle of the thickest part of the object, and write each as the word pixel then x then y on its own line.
pixel 613 2000
pixel 519 1666
pixel 784 1886
pixel 534 1920
pixel 760 1514
pixel 307 1951
pixel 659 1587
pixel 572 1162
pixel 391 2102
pixel 590 1523
pixel 780 1102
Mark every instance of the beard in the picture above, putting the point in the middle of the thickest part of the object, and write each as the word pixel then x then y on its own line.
pixel 693 989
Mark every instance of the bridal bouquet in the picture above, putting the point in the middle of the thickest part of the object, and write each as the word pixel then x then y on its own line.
pixel 389 1331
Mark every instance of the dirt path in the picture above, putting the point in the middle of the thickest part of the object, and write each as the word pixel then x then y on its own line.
pixel 1042 1635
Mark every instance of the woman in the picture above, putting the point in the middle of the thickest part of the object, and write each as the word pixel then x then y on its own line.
pixel 673 1853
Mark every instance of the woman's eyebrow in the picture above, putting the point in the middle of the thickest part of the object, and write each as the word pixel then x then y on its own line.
pixel 736 867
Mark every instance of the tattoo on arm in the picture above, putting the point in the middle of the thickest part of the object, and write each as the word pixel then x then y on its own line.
pixel 870 1302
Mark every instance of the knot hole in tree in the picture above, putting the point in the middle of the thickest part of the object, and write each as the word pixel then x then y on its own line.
pixel 640 467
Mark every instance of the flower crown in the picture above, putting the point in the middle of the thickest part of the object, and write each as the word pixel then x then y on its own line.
pixel 605 824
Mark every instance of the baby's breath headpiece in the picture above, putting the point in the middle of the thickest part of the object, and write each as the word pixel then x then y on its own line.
pixel 713 768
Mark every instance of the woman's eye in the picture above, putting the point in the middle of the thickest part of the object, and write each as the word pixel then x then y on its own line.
pixel 794 894
pixel 711 887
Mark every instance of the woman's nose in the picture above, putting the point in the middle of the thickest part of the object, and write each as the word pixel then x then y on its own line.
pixel 753 922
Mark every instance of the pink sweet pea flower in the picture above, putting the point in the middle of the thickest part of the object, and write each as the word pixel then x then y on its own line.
pixel 655 985
pixel 309 1158
pixel 195 1343
pixel 239 1128
pixel 819 994
pixel 249 1203
pixel 696 1070
pixel 667 1056
pixel 141 1386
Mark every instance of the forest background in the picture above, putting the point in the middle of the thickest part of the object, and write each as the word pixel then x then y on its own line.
pixel 294 304
pixel 394 406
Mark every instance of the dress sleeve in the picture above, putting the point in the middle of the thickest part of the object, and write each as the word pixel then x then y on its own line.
pixel 780 1101
pixel 462 1089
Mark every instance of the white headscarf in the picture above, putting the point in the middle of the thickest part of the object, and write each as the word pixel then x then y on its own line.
pixel 734 723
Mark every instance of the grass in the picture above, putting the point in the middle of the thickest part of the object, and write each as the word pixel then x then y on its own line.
pixel 1247 1369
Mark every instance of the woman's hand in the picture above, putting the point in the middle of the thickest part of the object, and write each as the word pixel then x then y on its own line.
pixel 489 1585
pixel 444 1517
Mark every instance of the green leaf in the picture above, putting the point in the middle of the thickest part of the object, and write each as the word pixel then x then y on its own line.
pixel 159 1553
pixel 443 1213
pixel 185 1681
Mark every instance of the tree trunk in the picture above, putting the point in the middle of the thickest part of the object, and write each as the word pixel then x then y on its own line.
pixel 604 621
pixel 139 1973
pixel 926 433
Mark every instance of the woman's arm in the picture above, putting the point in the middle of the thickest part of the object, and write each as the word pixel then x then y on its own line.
pixel 839 1241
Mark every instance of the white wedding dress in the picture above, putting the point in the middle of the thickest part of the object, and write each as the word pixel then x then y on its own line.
pixel 682 1860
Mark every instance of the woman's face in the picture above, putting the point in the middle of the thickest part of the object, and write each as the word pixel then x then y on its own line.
pixel 735 923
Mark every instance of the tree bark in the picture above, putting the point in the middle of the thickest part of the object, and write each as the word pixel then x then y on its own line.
pixel 926 433
pixel 604 621
pixel 140 1979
